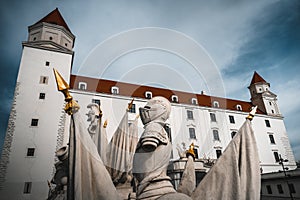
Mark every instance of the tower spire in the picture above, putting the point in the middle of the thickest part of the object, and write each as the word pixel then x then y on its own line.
pixel 262 97
pixel 257 79
pixel 56 18
pixel 51 32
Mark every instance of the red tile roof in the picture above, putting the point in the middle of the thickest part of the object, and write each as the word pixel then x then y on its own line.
pixel 257 79
pixel 55 17
pixel 132 90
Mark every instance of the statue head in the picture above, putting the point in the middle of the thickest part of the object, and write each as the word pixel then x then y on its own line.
pixel 93 112
pixel 157 109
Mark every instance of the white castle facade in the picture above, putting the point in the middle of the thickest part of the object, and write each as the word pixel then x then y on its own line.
pixel 38 126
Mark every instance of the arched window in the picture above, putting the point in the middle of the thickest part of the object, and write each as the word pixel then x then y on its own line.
pixel 174 98
pixel 148 95
pixel 82 85
pixel 194 101
pixel 216 104
pixel 239 107
pixel 114 90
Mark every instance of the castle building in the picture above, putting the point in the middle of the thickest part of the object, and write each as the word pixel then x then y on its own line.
pixel 38 125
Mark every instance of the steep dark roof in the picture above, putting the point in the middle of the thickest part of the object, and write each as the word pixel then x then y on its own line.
pixel 257 79
pixel 55 17
pixel 132 90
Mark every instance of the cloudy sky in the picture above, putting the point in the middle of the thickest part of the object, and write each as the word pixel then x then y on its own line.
pixel 237 37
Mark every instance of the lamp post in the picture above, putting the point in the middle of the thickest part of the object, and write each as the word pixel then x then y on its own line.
pixel 281 162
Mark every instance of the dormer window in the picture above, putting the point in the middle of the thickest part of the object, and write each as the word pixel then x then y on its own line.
pixel 194 101
pixel 114 90
pixel 174 98
pixel 239 107
pixel 216 104
pixel 148 95
pixel 82 85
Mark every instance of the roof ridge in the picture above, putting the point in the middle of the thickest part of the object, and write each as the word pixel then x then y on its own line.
pixel 257 79
pixel 55 17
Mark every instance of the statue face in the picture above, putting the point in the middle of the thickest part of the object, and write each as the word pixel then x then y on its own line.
pixel 91 116
pixel 145 114
pixel 93 112
pixel 157 109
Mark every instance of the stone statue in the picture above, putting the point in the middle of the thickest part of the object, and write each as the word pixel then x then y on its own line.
pixel 153 153
pixel 93 117
pixel 60 178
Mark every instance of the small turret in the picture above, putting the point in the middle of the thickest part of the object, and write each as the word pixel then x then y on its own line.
pixel 262 97
pixel 51 29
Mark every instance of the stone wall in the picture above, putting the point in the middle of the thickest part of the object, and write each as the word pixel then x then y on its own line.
pixel 8 138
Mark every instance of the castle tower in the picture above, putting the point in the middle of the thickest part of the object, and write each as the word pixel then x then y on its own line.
pixel 36 124
pixel 262 96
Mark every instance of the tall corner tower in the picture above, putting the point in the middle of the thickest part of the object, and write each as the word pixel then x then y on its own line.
pixel 36 123
pixel 262 96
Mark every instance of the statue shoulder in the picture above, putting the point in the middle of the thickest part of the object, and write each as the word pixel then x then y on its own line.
pixel 155 130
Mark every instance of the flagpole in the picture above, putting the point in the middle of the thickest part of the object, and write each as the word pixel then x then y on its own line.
pixel 72 158
pixel 70 107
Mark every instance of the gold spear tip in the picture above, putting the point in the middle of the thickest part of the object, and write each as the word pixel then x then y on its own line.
pixel 191 151
pixel 62 86
pixel 61 83
pixel 105 124
pixel 130 104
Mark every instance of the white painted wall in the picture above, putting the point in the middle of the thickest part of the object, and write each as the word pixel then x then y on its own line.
pixel 43 138
pixel 114 106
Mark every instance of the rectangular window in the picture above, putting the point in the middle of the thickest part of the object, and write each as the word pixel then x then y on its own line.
pixel 196 153
pixel 132 108
pixel 190 114
pixel 280 190
pixel 42 96
pixel 292 188
pixel 218 153
pixel 192 133
pixel 272 140
pixel 233 133
pixel 27 187
pixel 276 156
pixel 44 79
pixel 169 131
pixel 231 119
pixel 216 135
pixel 30 151
pixel 267 123
pixel 269 189
pixel 213 117
pixel 34 122
pixel 96 101
pixel 47 63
